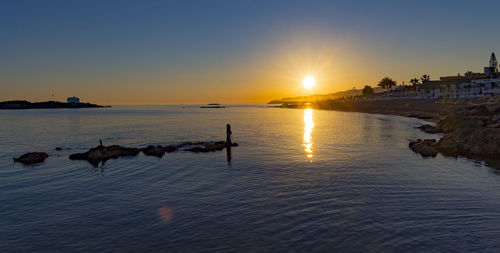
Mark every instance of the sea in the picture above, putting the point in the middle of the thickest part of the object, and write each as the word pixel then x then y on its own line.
pixel 301 180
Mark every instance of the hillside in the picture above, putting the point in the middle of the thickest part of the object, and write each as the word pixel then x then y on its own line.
pixel 320 97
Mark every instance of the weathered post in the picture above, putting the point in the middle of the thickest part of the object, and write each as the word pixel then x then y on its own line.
pixel 228 136
pixel 228 142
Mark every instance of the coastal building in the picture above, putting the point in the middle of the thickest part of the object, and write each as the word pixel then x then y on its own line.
pixel 474 89
pixel 456 87
pixel 73 100
pixel 459 88
pixel 468 85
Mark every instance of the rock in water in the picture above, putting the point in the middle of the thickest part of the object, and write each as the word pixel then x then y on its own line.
pixel 448 145
pixel 157 151
pixel 428 151
pixel 33 157
pixel 424 147
pixel 472 131
pixel 170 149
pixel 429 129
pixel 197 149
pixel 190 143
pixel 219 145
pixel 117 151
pixel 102 153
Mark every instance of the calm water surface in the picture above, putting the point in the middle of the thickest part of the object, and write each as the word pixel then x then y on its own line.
pixel 301 181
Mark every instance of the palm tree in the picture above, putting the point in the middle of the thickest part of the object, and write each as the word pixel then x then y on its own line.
pixel 425 78
pixel 414 81
pixel 387 83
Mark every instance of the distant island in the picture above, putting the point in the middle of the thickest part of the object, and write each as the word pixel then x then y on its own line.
pixel 213 105
pixel 23 104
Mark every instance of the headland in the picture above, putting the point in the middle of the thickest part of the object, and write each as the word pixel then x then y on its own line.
pixel 23 104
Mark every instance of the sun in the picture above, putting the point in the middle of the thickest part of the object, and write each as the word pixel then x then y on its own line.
pixel 308 82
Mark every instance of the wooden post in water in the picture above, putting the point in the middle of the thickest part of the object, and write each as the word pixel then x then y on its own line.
pixel 228 136
pixel 229 143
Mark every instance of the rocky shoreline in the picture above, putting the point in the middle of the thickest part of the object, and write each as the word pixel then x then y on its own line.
pixel 472 131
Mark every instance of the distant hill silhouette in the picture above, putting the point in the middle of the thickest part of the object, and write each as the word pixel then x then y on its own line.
pixel 319 97
pixel 23 104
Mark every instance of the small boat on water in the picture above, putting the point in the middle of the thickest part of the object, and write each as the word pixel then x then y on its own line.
pixel 213 105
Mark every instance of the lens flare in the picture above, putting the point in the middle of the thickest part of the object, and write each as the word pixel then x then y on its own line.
pixel 166 213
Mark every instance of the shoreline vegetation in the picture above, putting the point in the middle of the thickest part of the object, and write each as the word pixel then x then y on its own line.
pixel 470 127
pixel 23 104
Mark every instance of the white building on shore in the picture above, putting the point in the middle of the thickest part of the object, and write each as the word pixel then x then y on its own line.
pixel 478 86
pixel 73 100
pixel 475 89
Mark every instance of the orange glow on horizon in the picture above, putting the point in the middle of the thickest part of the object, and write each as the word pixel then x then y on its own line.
pixel 301 68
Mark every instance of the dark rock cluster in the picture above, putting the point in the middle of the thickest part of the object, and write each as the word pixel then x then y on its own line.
pixel 219 145
pixel 426 147
pixel 472 131
pixel 102 153
pixel 158 150
pixel 429 129
pixel 31 158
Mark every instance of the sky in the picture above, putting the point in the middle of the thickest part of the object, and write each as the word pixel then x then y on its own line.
pixel 233 52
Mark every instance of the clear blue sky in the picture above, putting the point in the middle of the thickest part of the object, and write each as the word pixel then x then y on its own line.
pixel 172 52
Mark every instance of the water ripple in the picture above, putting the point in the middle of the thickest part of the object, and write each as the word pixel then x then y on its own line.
pixel 362 190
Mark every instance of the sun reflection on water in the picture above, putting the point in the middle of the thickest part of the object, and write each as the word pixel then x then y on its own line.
pixel 309 125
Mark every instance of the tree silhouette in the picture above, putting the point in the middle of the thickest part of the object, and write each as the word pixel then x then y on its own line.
pixel 414 81
pixel 387 83
pixel 493 64
pixel 368 91
pixel 425 78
